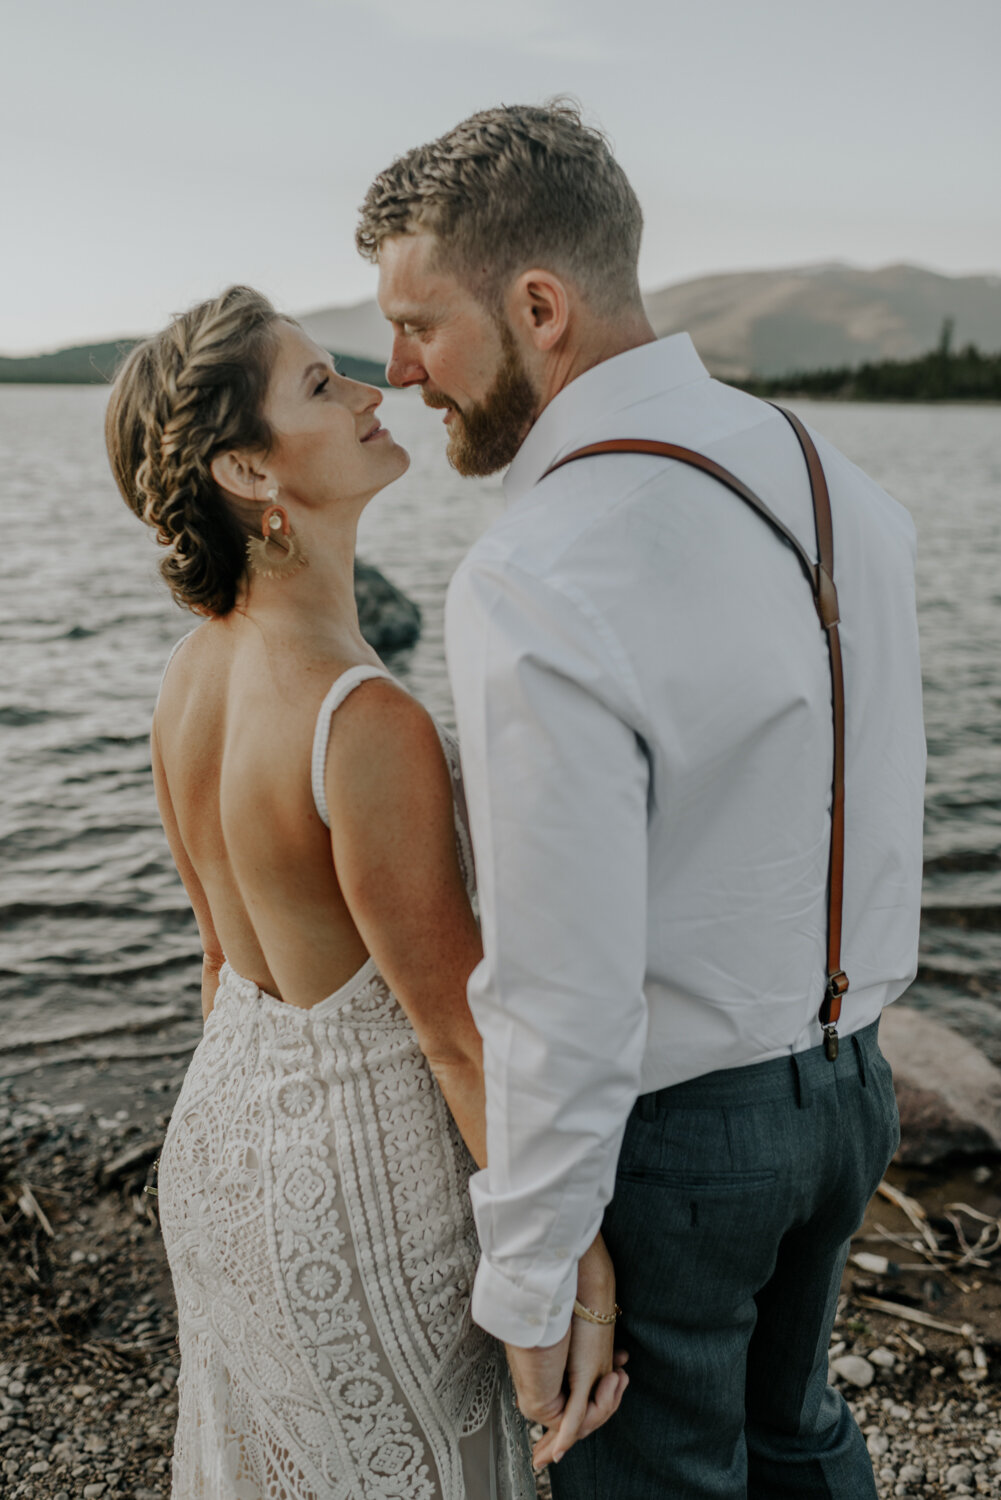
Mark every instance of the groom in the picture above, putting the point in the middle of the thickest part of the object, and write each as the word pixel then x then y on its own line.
pixel 644 698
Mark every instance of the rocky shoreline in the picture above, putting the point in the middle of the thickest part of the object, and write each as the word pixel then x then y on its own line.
pixel 88 1357
pixel 87 1319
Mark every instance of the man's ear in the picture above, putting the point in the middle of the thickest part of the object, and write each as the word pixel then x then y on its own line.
pixel 538 307
pixel 235 475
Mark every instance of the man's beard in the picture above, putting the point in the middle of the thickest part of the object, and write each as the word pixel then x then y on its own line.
pixel 486 437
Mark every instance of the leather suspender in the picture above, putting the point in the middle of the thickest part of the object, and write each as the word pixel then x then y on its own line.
pixel 820 576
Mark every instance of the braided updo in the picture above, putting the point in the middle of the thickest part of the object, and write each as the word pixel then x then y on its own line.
pixel 181 397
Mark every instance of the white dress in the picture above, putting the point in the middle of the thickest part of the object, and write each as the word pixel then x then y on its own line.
pixel 315 1210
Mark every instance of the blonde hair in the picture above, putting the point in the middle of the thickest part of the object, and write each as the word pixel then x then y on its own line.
pixel 513 187
pixel 180 398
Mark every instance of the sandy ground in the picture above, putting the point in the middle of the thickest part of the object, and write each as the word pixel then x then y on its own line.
pixel 88 1359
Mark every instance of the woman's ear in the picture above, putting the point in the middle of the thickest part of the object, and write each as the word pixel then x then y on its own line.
pixel 235 475
pixel 538 305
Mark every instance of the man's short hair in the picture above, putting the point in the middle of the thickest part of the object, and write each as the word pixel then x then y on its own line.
pixel 510 188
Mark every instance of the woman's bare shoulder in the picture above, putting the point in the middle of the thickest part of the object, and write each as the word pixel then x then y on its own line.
pixel 381 733
pixel 379 715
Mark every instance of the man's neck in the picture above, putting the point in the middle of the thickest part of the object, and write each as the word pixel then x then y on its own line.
pixel 601 341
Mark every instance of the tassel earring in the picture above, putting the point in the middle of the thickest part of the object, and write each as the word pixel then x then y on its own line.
pixel 277 552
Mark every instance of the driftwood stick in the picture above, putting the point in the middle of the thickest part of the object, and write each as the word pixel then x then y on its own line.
pixel 914 1315
pixel 915 1344
pixel 136 1156
pixel 32 1209
pixel 931 1257
pixel 973 1255
pixel 913 1210
pixel 974 1213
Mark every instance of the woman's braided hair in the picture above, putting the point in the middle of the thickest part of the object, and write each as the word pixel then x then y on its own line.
pixel 181 397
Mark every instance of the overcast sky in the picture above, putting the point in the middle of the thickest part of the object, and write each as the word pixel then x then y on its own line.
pixel 152 151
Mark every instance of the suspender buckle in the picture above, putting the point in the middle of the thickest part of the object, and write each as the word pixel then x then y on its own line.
pixel 837 985
pixel 831 1042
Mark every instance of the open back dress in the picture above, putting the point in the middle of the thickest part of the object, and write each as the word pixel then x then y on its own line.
pixel 314 1203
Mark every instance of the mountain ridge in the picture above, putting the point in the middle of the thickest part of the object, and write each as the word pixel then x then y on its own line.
pixel 767 322
pixel 745 324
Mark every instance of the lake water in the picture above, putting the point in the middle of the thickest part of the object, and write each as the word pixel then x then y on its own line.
pixel 98 951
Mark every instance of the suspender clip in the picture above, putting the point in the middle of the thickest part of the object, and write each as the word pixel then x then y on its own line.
pixel 837 985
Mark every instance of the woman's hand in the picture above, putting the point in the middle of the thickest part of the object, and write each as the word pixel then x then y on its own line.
pixel 595 1375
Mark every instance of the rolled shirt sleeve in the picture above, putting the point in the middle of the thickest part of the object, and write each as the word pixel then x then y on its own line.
pixel 550 730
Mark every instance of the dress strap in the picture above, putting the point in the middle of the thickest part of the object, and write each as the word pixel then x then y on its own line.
pixel 344 685
pixel 173 652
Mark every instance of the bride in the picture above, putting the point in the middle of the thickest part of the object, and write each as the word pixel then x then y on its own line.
pixel 313 1183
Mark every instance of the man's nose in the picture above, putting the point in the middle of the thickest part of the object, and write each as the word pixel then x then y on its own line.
pixel 403 367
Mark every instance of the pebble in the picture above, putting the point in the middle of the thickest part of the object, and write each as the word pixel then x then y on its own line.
pixel 959 1474
pixel 80 1391
pixel 93 1491
pixel 884 1359
pixel 853 1368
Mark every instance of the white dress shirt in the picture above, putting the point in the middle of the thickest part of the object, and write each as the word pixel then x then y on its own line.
pixel 643 698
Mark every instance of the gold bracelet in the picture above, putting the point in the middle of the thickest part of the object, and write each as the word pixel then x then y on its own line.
pixel 590 1316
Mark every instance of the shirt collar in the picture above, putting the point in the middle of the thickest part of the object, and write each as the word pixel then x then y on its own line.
pixel 580 409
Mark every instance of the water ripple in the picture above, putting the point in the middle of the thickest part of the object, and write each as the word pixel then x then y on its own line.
pixel 98 948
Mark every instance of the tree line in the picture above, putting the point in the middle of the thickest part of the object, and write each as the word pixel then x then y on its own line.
pixel 943 374
pixel 95 364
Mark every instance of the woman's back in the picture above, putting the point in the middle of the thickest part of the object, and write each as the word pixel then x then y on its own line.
pixel 234 733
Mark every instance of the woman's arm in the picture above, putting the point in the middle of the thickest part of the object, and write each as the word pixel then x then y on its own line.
pixel 213 957
pixel 393 843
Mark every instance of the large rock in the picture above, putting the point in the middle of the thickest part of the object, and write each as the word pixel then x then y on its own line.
pixel 389 620
pixel 948 1094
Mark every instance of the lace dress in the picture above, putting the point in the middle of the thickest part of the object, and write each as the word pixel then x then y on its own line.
pixel 314 1204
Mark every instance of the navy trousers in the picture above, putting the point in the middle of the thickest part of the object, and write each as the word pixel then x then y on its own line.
pixel 735 1200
